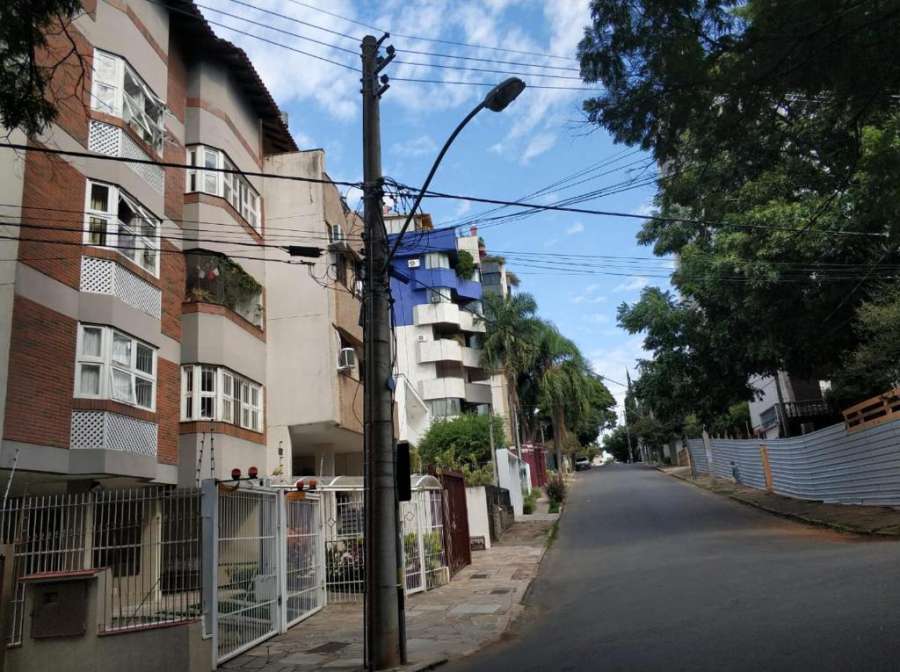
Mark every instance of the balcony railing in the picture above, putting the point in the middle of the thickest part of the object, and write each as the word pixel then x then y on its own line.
pixel 214 278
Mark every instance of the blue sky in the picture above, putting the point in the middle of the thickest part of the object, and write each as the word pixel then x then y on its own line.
pixel 539 139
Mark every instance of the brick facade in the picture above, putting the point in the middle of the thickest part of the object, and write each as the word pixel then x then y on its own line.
pixel 168 409
pixel 41 375
pixel 50 182
pixel 172 273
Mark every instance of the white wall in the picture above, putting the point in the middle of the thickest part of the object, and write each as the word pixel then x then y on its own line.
pixel 509 476
pixel 479 525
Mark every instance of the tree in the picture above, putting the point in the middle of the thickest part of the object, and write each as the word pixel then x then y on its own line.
pixel 777 136
pixel 600 411
pixel 616 444
pixel 28 64
pixel 561 382
pixel 508 345
pixel 462 444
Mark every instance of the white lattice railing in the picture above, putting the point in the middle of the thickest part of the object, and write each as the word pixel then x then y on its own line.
pixel 110 140
pixel 111 431
pixel 104 276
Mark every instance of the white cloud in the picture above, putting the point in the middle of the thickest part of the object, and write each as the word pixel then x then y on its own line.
pixel 421 146
pixel 588 295
pixel 597 318
pixel 463 208
pixel 577 227
pixel 645 209
pixel 634 284
pixel 538 144
pixel 551 242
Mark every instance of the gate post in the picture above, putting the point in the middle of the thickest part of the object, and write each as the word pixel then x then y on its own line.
pixel 209 549
pixel 281 558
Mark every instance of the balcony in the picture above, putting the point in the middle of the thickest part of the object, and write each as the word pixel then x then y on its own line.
pixel 471 357
pixel 441 350
pixel 113 141
pixel 214 278
pixel 443 388
pixel 104 276
pixel 436 313
pixel 470 322
pixel 478 393
pixel 102 430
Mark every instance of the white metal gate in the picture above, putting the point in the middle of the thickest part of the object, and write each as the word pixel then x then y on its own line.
pixel 344 545
pixel 304 561
pixel 413 551
pixel 245 567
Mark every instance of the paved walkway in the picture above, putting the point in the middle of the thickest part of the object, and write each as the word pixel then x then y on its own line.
pixel 475 608
pixel 880 520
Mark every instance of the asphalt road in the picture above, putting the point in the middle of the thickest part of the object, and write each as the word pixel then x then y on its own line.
pixel 651 573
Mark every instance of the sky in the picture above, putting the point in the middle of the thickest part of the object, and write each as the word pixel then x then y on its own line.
pixel 539 139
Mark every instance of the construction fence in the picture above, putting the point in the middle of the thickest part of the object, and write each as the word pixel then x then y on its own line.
pixel 835 465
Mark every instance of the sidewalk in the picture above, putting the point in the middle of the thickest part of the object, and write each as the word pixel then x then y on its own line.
pixel 877 520
pixel 455 620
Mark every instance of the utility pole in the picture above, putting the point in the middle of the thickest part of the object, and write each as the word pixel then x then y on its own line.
pixel 384 629
pixel 625 409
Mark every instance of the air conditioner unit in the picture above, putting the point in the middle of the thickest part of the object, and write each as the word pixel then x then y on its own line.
pixel 336 234
pixel 435 296
pixel 413 263
pixel 346 359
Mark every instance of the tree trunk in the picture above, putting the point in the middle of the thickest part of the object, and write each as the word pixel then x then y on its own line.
pixel 558 429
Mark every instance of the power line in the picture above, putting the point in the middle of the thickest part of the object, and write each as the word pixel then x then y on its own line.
pixel 169 164
pixel 429 39
pixel 490 84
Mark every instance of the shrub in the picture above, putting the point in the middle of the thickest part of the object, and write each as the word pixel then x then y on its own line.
pixel 529 505
pixel 556 489
pixel 465 265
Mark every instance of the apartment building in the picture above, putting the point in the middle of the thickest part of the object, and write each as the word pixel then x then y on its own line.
pixel 315 395
pixel 787 405
pixel 438 325
pixel 133 303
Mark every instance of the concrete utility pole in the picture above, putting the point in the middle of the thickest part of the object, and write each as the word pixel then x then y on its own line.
pixel 384 641
pixel 625 413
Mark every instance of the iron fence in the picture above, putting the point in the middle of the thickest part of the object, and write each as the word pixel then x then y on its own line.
pixel 147 540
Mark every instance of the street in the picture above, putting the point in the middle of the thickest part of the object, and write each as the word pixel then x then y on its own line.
pixel 651 573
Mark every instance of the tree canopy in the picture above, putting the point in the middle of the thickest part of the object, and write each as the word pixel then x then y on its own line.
pixel 776 131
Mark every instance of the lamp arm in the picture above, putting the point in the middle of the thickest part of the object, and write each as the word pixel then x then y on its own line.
pixel 431 173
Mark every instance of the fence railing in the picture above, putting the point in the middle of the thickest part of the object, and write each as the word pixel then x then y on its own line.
pixel 831 465
pixel 147 540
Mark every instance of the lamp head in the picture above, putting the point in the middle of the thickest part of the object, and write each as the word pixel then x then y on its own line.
pixel 503 94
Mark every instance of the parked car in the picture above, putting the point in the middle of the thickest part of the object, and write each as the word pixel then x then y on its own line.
pixel 582 465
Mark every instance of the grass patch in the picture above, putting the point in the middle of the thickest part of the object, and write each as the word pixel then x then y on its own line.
pixel 554 507
pixel 551 535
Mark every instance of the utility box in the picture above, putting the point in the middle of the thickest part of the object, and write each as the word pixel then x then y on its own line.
pixel 59 607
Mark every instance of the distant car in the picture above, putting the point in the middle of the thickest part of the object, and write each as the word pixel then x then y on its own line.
pixel 582 465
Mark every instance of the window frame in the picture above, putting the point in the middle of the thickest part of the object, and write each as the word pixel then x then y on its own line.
pixel 240 193
pixel 116 228
pixel 108 367
pixel 133 111
pixel 235 400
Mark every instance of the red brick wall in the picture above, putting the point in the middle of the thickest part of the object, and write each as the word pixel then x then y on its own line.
pixel 41 375
pixel 70 56
pixel 174 152
pixel 176 94
pixel 168 409
pixel 50 182
pixel 172 272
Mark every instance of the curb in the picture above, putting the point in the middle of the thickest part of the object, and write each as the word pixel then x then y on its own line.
pixel 790 516
pixel 431 664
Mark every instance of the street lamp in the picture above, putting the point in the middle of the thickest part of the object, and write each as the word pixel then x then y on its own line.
pixel 496 100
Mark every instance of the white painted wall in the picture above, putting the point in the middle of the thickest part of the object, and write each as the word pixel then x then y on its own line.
pixel 509 476
pixel 479 525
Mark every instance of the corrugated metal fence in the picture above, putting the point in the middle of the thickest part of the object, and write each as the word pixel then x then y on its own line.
pixel 830 465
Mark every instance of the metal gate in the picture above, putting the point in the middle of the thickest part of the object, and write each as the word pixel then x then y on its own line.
pixel 244 606
pixel 413 550
pixel 345 553
pixel 304 560
pixel 456 529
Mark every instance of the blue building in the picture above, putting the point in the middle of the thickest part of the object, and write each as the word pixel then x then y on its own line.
pixel 438 327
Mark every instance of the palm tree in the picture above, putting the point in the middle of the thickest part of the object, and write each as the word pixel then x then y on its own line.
pixel 561 377
pixel 508 346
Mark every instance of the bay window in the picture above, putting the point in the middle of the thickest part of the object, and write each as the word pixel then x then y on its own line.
pixel 118 90
pixel 114 219
pixel 113 365
pixel 216 393
pixel 233 187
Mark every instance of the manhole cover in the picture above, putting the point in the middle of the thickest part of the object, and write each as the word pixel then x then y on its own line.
pixel 479 576
pixel 329 647
pixel 499 591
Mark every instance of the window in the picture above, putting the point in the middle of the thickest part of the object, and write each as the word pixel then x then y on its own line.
pixel 437 260
pixel 119 91
pixel 114 365
pixel 439 295
pixel 445 408
pixel 234 188
pixel 114 219
pixel 215 393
